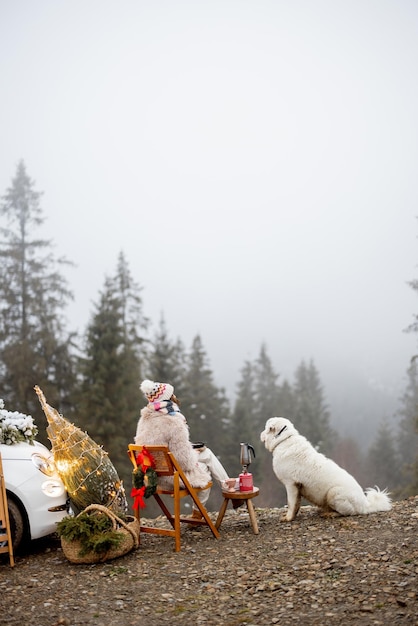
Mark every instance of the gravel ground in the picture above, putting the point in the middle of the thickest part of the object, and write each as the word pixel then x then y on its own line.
pixel 316 570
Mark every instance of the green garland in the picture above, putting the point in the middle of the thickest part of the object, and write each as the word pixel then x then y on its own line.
pixel 94 532
pixel 149 480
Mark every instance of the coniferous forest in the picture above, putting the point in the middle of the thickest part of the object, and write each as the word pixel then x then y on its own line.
pixel 93 379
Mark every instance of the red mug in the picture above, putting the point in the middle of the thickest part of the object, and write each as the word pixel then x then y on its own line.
pixel 246 482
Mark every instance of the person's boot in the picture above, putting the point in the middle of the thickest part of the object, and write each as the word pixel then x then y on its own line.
pixel 197 515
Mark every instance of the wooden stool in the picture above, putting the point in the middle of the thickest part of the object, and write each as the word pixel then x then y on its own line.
pixel 239 495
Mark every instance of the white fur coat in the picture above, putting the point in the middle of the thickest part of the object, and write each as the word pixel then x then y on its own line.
pixel 156 428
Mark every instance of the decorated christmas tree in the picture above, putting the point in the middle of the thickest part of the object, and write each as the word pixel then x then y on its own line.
pixel 84 467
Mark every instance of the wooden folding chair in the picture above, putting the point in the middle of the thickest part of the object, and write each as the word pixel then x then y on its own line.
pixel 167 465
pixel 6 544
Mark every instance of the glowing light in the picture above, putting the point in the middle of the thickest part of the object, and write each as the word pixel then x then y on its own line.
pixel 52 488
pixel 84 467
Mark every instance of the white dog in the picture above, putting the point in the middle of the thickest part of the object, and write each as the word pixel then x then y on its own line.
pixel 308 474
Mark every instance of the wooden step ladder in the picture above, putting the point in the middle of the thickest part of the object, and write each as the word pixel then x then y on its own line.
pixel 6 544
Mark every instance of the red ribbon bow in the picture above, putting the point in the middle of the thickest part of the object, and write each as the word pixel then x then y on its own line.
pixel 144 460
pixel 138 495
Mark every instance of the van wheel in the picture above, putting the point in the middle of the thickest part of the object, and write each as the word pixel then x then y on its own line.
pixel 17 524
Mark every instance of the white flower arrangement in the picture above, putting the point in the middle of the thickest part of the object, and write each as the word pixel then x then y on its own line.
pixel 16 427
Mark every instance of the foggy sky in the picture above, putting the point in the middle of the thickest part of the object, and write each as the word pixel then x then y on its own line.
pixel 256 161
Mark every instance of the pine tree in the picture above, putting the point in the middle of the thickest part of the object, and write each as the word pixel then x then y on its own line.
pixel 267 390
pixel 204 405
pixel 34 347
pixel 287 401
pixel 311 414
pixel 242 427
pixel 206 408
pixel 245 413
pixel 408 433
pixel 347 453
pixel 383 462
pixel 266 395
pixel 411 468
pixel 110 399
pixel 166 359
pixel 134 323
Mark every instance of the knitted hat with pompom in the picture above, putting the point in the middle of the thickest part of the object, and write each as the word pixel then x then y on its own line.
pixel 156 392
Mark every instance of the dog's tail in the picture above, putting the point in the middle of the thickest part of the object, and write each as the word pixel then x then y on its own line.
pixel 378 500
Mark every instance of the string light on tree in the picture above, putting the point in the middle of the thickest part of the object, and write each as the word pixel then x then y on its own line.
pixel 84 467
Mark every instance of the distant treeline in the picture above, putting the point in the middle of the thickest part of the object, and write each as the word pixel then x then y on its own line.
pixel 93 380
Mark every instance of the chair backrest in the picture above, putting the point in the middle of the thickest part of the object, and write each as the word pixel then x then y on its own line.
pixel 160 454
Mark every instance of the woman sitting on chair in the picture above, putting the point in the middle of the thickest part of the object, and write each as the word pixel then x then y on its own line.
pixel 161 423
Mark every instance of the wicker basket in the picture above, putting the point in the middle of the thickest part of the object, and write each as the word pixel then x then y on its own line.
pixel 129 531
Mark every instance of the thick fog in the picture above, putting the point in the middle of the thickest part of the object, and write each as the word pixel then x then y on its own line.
pixel 256 161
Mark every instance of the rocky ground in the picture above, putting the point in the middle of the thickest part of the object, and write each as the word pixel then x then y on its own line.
pixel 357 570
